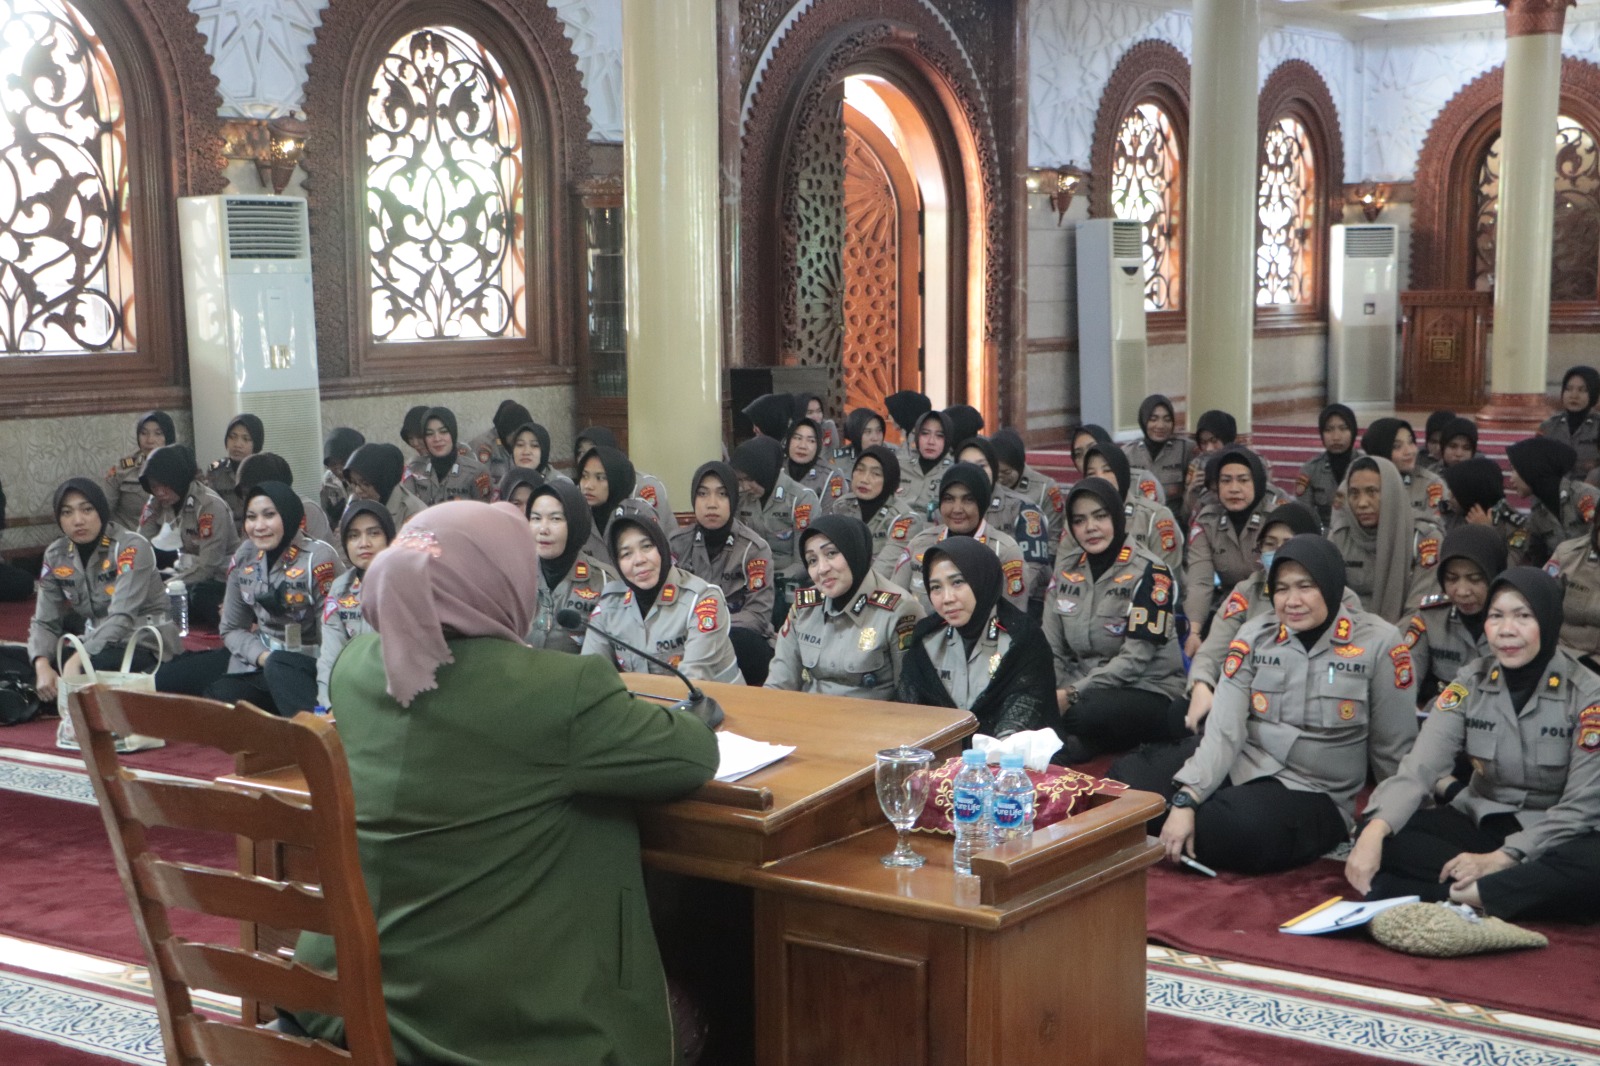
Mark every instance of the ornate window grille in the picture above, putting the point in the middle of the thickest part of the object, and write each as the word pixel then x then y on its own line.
pixel 1147 187
pixel 1287 211
pixel 66 251
pixel 444 193
pixel 1575 251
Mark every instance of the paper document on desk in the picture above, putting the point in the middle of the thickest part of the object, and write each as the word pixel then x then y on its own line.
pixel 1338 914
pixel 739 756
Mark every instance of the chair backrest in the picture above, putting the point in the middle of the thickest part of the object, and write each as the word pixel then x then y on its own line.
pixel 131 803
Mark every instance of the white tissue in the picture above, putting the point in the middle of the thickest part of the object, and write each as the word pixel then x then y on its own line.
pixel 1035 745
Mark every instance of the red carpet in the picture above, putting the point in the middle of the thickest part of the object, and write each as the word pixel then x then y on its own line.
pixel 25 1051
pixel 60 885
pixel 1236 917
pixel 1172 1041
pixel 14 619
pixel 187 760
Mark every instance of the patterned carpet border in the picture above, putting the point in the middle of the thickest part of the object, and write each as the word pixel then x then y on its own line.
pixel 77 1018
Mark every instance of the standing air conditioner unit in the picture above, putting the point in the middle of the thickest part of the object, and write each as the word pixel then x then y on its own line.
pixel 1111 337
pixel 1363 309
pixel 252 335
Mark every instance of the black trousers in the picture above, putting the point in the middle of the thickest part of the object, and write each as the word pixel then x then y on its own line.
pixel 1262 826
pixel 16 584
pixel 753 653
pixel 205 603
pixel 1116 719
pixel 286 685
pixel 1563 883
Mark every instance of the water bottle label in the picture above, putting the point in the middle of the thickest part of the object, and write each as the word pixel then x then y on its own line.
pixel 1009 812
pixel 968 806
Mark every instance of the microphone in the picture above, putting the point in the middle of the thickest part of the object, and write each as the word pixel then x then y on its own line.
pixel 696 702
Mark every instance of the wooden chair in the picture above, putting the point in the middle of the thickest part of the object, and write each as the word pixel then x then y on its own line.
pixel 132 803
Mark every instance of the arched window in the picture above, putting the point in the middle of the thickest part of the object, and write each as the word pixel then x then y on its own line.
pixel 96 143
pixel 1301 169
pixel 1575 250
pixel 1141 139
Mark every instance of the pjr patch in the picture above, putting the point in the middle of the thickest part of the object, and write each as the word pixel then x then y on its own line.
pixel 706 613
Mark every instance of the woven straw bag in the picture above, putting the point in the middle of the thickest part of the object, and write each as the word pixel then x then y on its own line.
pixel 1446 930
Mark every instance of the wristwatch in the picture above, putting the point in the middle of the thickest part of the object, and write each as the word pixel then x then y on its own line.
pixel 1184 799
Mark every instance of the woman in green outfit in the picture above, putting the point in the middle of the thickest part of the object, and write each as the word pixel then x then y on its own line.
pixel 494 789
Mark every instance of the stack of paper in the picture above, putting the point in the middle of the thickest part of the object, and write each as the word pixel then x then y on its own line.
pixel 1339 913
pixel 739 756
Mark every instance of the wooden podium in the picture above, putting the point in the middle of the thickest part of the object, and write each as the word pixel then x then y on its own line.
pixel 858 963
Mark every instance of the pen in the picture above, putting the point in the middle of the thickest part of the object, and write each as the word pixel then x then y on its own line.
pixel 1352 916
pixel 1199 867
pixel 1330 673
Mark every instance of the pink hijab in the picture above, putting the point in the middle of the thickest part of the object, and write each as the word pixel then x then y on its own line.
pixel 461 566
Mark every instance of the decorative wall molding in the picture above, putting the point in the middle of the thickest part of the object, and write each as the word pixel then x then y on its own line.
pixel 595 29
pixel 260 49
pixel 1296 88
pixel 1149 70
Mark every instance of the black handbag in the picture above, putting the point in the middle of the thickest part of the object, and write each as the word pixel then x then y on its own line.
pixel 19 701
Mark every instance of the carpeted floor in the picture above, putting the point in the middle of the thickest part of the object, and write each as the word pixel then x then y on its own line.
pixel 186 760
pixel 1174 1041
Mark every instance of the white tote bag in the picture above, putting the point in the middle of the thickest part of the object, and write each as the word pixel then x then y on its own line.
pixel 127 678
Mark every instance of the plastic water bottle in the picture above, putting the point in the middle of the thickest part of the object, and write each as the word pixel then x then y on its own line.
pixel 973 812
pixel 1013 801
pixel 178 605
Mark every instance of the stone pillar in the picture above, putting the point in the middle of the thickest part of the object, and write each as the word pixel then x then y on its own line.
pixel 1220 236
pixel 1521 344
pixel 670 155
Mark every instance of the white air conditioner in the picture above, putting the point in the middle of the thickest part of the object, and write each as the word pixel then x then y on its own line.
pixel 1111 336
pixel 252 334
pixel 1363 310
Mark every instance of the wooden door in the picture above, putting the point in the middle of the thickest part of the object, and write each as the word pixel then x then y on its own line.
pixel 1443 346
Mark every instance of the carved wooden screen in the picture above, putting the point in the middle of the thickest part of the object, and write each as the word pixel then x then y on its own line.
pixel 814 224
pixel 1287 213
pixel 444 192
pixel 1575 252
pixel 1147 187
pixel 66 250
pixel 871 278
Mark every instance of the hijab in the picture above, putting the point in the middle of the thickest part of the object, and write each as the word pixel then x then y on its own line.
pixel 289 507
pixel 1391 542
pixel 1105 493
pixel 1459 427
pixel 1475 482
pixel 411 425
pixel 594 436
pixel 510 418
pixel 253 426
pixel 891 479
pixel 717 539
pixel 1483 547
pixel 1238 455
pixel 906 407
pixel 361 507
pixel 1220 424
pixel 949 438
pixel 1008 445
pixel 856 423
pixel 171 466
pixel 1543 462
pixel 1379 438
pixel 1339 462
pixel 541 435
pixel 442 463
pixel 169 431
pixel 1117 460
pixel 580 522
pixel 990 456
pixel 96 496
pixel 972 476
pixel 264 466
pixel 457 568
pixel 340 443
pixel 772 414
pixel 1147 408
pixel 1326 567
pixel 981 568
pixel 1543 594
pixel 854 541
pixel 797 470
pixel 516 477
pixel 1297 516
pixel 760 459
pixel 1096 433
pixel 380 464
pixel 640 514
pixel 620 479
pixel 1591 382
pixel 966 421
pixel 1435 424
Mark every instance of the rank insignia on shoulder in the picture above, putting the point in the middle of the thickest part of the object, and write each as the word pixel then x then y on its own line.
pixel 1554 683
pixel 1237 604
pixel 1437 599
pixel 809 596
pixel 129 462
pixel 1125 554
pixel 1402 665
pixel 705 613
pixel 1588 731
pixel 1341 631
pixel 901 528
pixel 885 599
pixel 1283 634
pixel 580 571
pixel 217 465
pixel 1237 650
pixel 668 594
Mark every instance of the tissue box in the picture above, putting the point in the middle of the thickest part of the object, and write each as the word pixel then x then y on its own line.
pixel 1057 792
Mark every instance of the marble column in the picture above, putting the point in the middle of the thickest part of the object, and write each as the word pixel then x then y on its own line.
pixel 671 213
pixel 1220 234
pixel 1521 342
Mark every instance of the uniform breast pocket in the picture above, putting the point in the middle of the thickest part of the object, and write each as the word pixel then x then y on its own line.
pixel 1550 755
pixel 1342 703
pixel 1269 700
pixel 1480 743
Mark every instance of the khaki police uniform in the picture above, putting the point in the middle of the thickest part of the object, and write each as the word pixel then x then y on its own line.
pixel 1249 600
pixel 1576 566
pixel 1220 557
pixel 652 490
pixel 828 483
pixel 262 602
pixel 1440 643
pixel 787 513
pixel 492 454
pixel 334 495
pixel 223 477
pixel 687 626
pixel 1115 631
pixel 342 622
pixel 890 525
pixel 1509 522
pixel 855 650
pixel 907 572
pixel 1045 493
pixel 124 491
pixel 314 523
pixel 403 505
pixel 966 674
pixel 1314 720
pixel 205 528
pixel 1009 510
pixel 1170 469
pixel 1150 525
pixel 1316 487
pixel 918 493
pixel 1586 441
pixel 467 479
pixel 1361 562
pixel 579 591
pixel 743 570
pixel 1547 530
pixel 104 600
pixel 1426 491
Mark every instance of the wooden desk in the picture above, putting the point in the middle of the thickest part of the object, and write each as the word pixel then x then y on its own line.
pixel 1047 968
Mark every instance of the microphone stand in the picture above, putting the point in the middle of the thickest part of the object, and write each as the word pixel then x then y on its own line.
pixel 696 702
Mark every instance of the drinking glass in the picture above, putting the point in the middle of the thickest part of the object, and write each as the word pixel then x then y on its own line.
pixel 903 780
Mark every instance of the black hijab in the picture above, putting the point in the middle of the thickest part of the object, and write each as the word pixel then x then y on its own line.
pixel 1543 594
pixel 1297 516
pixel 761 460
pixel 340 443
pixel 594 436
pixel 856 423
pixel 1483 547
pixel 1459 427
pixel 990 456
pixel 171 466
pixel 1543 462
pixel 253 426
pixel 1338 462
pixel 510 418
pixel 1008 445
pixel 1220 424
pixel 289 508
pixel 854 541
pixel 949 439
pixel 411 425
pixel 97 499
pixel 264 466
pixel 890 463
pixel 638 513
pixel 800 471
pixel 169 431
pixel 981 567
pixel 717 539
pixel 442 463
pixel 1379 438
pixel 966 421
pixel 1096 433
pixel 541 435
pixel 972 476
pixel 906 407
pixel 772 414
pixel 580 523
pixel 1238 455
pixel 1325 565
pixel 1147 407
pixel 380 464
pixel 516 477
pixel 1117 460
pixel 1106 494
pixel 620 480
pixel 1591 382
pixel 1475 482
pixel 361 507
pixel 1436 422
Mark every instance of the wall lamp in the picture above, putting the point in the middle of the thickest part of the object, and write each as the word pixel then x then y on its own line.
pixel 274 145
pixel 1060 184
pixel 1372 197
